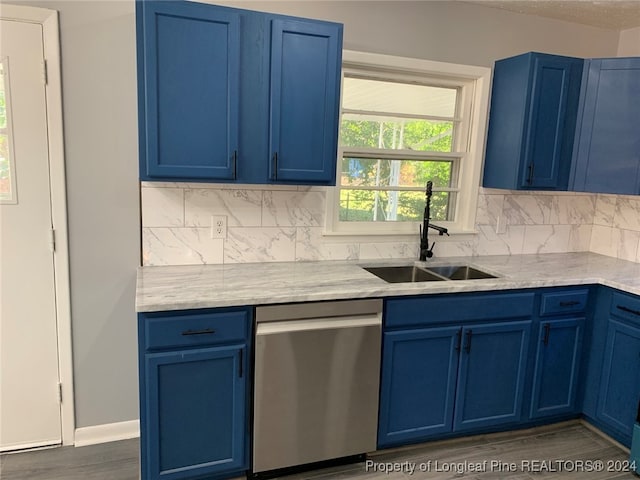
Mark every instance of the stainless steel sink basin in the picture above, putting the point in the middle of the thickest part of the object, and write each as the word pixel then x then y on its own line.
pixel 460 272
pixel 412 273
pixel 403 274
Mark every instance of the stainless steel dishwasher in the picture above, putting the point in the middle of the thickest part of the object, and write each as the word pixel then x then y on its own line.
pixel 317 370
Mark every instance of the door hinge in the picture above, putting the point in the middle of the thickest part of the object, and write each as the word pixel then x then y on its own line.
pixel 52 240
pixel 45 72
pixel 59 393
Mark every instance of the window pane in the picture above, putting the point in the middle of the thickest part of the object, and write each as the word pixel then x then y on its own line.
pixel 393 206
pixel 371 172
pixel 395 133
pixel 406 98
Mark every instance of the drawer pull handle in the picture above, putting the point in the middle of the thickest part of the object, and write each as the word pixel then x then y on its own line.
pixel 530 175
pixel 547 331
pixel 274 173
pixel 235 164
pixel 628 310
pixel 570 303
pixel 206 331
pixel 458 340
pixel 467 347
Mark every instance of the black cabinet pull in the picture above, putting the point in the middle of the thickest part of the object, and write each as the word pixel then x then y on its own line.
pixel 274 174
pixel 235 164
pixel 206 331
pixel 628 310
pixel 530 175
pixel 547 331
pixel 467 347
pixel 458 340
pixel 240 369
pixel 570 303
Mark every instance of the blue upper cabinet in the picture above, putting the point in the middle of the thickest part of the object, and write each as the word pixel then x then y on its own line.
pixel 304 100
pixel 532 121
pixel 235 95
pixel 607 152
pixel 188 81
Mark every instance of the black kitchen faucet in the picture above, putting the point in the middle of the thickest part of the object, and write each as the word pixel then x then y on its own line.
pixel 425 251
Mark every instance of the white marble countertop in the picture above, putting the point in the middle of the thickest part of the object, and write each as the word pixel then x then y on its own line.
pixel 204 286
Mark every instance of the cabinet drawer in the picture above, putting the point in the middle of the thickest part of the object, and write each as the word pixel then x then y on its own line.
pixel 193 329
pixel 456 308
pixel 626 306
pixel 563 302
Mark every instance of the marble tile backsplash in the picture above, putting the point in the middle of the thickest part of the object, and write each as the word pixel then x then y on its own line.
pixel 286 223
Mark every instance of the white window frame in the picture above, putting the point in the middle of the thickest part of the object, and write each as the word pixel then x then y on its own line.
pixel 12 198
pixel 474 101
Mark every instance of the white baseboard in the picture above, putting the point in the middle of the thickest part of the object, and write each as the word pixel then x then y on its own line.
pixel 109 432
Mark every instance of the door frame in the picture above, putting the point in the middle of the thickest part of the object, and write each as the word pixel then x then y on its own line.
pixel 51 39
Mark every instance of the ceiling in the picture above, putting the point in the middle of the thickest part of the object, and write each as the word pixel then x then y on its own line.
pixel 611 14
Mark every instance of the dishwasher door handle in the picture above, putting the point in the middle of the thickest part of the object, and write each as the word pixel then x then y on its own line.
pixel 293 325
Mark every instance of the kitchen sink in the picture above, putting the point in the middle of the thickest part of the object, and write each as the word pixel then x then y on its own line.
pixel 412 273
pixel 460 272
pixel 402 274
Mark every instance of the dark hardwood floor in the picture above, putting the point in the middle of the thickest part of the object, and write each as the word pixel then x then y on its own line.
pixel 547 453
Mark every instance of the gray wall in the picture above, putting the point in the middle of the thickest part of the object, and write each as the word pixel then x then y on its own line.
pixel 99 94
pixel 629 45
pixel 100 122
pixel 446 31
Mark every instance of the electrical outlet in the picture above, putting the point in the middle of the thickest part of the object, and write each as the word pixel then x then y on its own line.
pixel 218 226
pixel 501 225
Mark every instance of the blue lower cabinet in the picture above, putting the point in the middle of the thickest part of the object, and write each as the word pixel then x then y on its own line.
pixel 442 380
pixel 195 412
pixel 193 393
pixel 491 379
pixel 620 380
pixel 419 369
pixel 557 367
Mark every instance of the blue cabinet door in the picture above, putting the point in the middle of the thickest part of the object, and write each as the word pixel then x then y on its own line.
pixel 194 413
pixel 534 104
pixel 607 152
pixel 417 389
pixel 491 375
pixel 620 381
pixel 555 377
pixel 304 100
pixel 550 133
pixel 188 77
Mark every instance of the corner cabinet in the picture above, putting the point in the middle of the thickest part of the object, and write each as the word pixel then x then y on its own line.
pixel 534 103
pixel 619 392
pixel 193 374
pixel 230 95
pixel 607 152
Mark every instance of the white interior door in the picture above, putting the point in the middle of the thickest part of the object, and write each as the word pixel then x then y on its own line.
pixel 29 402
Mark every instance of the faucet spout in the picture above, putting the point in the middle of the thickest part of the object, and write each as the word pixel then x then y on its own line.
pixel 425 250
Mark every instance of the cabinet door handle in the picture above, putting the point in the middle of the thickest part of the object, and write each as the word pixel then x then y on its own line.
pixel 240 363
pixel 530 174
pixel 628 310
pixel 547 331
pixel 235 164
pixel 467 347
pixel 458 340
pixel 274 173
pixel 570 303
pixel 206 331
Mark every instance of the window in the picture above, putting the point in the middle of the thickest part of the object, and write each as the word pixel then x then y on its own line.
pixel 405 122
pixel 7 169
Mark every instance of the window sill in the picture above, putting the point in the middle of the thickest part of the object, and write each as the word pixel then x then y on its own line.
pixel 369 237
